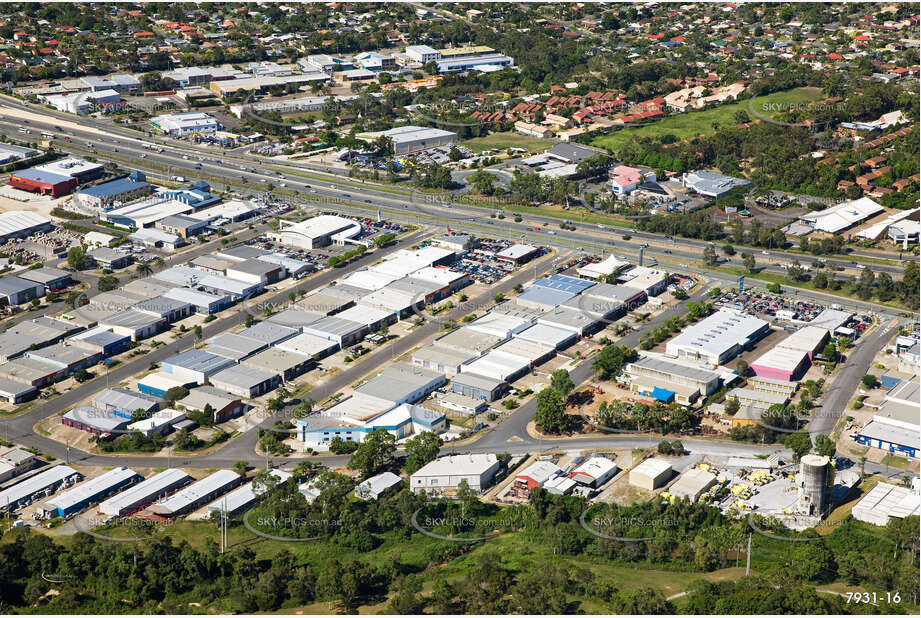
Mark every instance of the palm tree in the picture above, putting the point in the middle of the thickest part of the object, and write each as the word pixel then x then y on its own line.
pixel 144 270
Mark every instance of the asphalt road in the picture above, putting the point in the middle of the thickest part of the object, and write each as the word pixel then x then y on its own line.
pixel 331 192
pixel 19 429
pixel 856 365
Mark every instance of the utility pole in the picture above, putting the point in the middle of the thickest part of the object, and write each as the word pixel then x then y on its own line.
pixel 748 555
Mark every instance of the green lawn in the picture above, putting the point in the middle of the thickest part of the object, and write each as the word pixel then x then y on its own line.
pixel 507 140
pixel 691 124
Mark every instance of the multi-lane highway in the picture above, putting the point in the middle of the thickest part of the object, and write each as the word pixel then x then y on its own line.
pixel 319 187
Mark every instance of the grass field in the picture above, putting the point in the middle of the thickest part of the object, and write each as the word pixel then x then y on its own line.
pixel 508 140
pixel 691 124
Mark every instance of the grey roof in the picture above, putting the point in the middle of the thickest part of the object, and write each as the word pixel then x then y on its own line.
pixel 268 333
pixel 572 152
pixel 35 484
pixel 245 376
pixel 416 287
pixel 44 275
pixel 673 368
pixel 294 317
pixel 198 360
pixel 544 296
pixel 397 381
pixel 84 492
pixel 475 380
pixel 442 355
pixel 336 326
pixel 244 495
pixel 97 419
pixel 243 252
pixel 185 499
pixel 200 396
pixel 123 399
pixel 325 303
pixel 274 359
pixel 181 221
pixel 230 345
pixel 105 254
pixel 144 491
pixel 466 339
pixel 162 304
pixel 254 267
pixel 14 285
pixel 906 390
pixel 130 319
pixel 877 430
pixel 377 484
pixel 14 388
pixel 710 182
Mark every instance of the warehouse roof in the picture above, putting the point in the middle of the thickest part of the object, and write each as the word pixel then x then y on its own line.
pixel 246 376
pixel 182 500
pixel 807 338
pixel 785 359
pixel 18 221
pixel 14 388
pixel 36 483
pixel 365 315
pixel 692 482
pixel 441 355
pixel 476 380
pixel 458 465
pixel 144 490
pixel 499 325
pixel 335 326
pixel 497 365
pixel 884 501
pixel 766 399
pixel 672 368
pixel 195 297
pixel 308 344
pixel 407 134
pixel 544 296
pixel 467 339
pixel 97 419
pixel 540 471
pixel 546 334
pixel 529 351
pixel 877 430
pixel 244 495
pixel 198 360
pixel 720 331
pixel 114 187
pixel 294 317
pixel 594 468
pixel 652 467
pixel 14 285
pixel 83 493
pixel 268 333
pixel 399 380
pixel 276 360
pixel 44 275
pixel 567 317
pixel 359 407
pixel 200 396
pixel 516 252
pixel 123 399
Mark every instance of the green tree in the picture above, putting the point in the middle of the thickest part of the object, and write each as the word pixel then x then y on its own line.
pixel 869 381
pixel 551 414
pixel 732 406
pixel 422 449
pixel 176 393
pixel 748 260
pixel 611 360
pixel 107 283
pixel 824 445
pixel 710 257
pixel 561 382
pixel 240 467
pixel 799 443
pixel 375 451
pixel 77 258
pixel 830 352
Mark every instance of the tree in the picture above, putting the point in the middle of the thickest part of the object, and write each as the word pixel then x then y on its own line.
pixel 869 381
pixel 197 331
pixel 551 414
pixel 561 382
pixel 728 249
pixel 830 352
pixel 375 451
pixel 611 360
pixel 710 257
pixel 799 443
pixel 732 406
pixel 82 375
pixel 748 260
pixel 240 467
pixel 144 270
pixel 422 449
pixel 176 393
pixel 824 445
pixel 743 368
pixel 77 258
pixel 499 297
pixel 107 283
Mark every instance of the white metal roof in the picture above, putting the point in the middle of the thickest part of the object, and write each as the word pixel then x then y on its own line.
pixel 458 465
pixel 34 484
pixel 191 494
pixel 90 488
pixel 143 491
pixel 244 495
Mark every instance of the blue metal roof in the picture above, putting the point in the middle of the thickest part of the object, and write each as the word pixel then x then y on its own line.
pixel 662 394
pixel 564 284
pixel 115 187
pixel 41 176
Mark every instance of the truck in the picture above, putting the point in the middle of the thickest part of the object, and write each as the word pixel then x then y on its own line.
pixel 178 178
